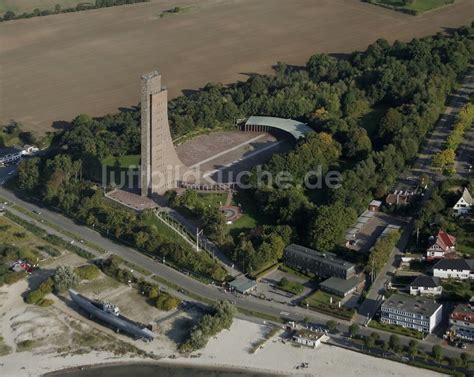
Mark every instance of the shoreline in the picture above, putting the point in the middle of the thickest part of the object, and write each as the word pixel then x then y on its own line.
pixel 167 364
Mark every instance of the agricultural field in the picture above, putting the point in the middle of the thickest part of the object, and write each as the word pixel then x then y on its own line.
pixel 418 6
pixel 91 62
pixel 20 6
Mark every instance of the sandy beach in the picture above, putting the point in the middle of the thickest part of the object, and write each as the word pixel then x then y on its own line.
pixel 230 349
pixel 38 340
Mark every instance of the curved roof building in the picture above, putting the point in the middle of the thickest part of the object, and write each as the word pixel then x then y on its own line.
pixel 290 126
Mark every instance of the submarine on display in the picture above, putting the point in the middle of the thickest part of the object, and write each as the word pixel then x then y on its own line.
pixel 110 314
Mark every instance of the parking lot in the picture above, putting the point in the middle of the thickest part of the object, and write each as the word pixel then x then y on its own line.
pixel 268 288
pixel 369 233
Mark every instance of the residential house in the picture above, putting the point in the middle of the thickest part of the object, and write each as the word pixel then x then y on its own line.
pixel 425 285
pixel 464 204
pixel 419 313
pixel 460 269
pixel 400 198
pixel 441 246
pixel 375 205
pixel 324 265
pixel 242 285
pixel 461 322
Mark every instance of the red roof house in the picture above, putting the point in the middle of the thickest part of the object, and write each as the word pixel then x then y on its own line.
pixel 441 246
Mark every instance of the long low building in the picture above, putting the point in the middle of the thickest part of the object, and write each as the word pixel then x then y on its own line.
pixel 324 265
pixel 413 312
pixel 340 287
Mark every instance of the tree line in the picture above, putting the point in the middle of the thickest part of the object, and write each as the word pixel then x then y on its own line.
pixel 446 157
pixel 10 15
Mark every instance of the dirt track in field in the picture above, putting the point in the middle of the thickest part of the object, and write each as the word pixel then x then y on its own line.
pixel 53 68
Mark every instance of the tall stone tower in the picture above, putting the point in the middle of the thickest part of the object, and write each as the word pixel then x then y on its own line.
pixel 160 165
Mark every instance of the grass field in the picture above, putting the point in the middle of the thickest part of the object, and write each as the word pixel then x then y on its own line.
pixel 13 234
pixel 123 162
pixel 20 6
pixel 419 6
pixel 321 301
pixel 91 62
pixel 212 199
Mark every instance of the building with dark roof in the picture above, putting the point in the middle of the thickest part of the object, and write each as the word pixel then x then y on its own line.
pixel 242 285
pixel 426 285
pixel 321 264
pixel 461 269
pixel 340 287
pixel 419 313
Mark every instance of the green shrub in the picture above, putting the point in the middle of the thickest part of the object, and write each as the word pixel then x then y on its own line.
pixel 34 297
pixel 65 278
pixel 87 272
pixel 13 277
pixel 166 302
pixel 44 302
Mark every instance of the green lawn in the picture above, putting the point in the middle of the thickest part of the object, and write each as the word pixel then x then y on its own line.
pixel 458 290
pixel 465 239
pixel 252 216
pixel 164 230
pixel 418 6
pixel 320 301
pixel 212 199
pixel 396 329
pixel 123 162
pixel 290 286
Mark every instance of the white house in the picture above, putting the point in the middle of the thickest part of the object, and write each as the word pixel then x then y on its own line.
pixel 419 313
pixel 464 204
pixel 425 285
pixel 461 269
pixel 309 338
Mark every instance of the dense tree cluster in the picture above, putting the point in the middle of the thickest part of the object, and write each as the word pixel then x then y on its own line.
pixel 10 15
pixel 370 112
pixel 59 183
pixel 220 318
pixel 260 248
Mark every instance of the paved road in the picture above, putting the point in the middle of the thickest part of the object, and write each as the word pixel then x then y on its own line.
pixel 157 268
pixel 410 178
pixel 184 281
pixel 6 172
